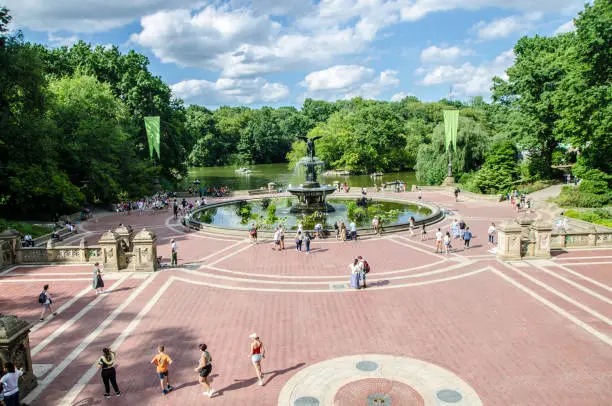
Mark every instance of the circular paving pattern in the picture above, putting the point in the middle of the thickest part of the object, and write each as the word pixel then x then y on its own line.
pixel 377 380
pixel 377 392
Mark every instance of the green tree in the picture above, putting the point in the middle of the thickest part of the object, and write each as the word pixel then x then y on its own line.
pixel 499 170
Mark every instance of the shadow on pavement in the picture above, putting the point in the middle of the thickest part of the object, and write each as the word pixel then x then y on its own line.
pixel 268 376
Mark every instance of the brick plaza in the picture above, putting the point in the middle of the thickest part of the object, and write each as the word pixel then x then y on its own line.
pixel 430 329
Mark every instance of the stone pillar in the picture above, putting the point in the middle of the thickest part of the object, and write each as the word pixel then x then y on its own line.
pixel 541 233
pixel 125 234
pixel 10 247
pixel 51 253
pixel 83 249
pixel 592 236
pixel 109 242
pixel 145 251
pixel 15 348
pixel 509 241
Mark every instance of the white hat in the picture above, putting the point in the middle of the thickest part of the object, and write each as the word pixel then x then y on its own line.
pixel 254 335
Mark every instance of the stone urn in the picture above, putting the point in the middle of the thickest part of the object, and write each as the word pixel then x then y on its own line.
pixel 15 348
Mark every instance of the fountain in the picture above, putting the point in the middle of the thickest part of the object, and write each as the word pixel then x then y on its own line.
pixel 311 195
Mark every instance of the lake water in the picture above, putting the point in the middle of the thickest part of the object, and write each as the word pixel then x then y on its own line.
pixel 280 174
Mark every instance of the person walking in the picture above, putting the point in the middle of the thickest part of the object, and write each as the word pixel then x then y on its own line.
pixel 109 375
pixel 412 225
pixel 298 241
pixel 439 237
pixel 467 236
pixel 10 384
pixel 491 234
pixel 307 239
pixel 44 298
pixel 447 242
pixel 423 233
pixel 420 194
pixel 364 269
pixel 258 353
pixel 457 190
pixel 253 233
pixel 354 267
pixel 98 282
pixel 282 237
pixel 353 230
pixel 277 240
pixel 204 369
pixel 161 362
pixel 376 225
pixel 337 230
pixel 174 250
pixel 342 232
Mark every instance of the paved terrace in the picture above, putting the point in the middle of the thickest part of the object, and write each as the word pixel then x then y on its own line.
pixel 430 329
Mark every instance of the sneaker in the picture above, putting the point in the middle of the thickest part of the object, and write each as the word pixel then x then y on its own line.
pixel 260 383
pixel 211 393
pixel 164 392
pixel 169 387
pixel 107 395
pixel 118 393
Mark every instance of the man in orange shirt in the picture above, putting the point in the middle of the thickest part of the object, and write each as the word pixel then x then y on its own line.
pixel 162 360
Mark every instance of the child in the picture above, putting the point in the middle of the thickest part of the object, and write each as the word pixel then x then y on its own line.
pixel 161 361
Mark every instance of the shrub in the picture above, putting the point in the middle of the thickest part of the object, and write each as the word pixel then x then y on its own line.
pixel 602 217
pixel 24 228
pixel 574 197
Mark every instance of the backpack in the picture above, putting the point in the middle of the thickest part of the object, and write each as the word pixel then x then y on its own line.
pixel 42 298
pixel 366 267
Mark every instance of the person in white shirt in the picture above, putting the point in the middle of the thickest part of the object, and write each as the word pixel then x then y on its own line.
pixel 174 260
pixel 439 236
pixel 491 233
pixel 353 230
pixel 277 235
pixel 318 230
pixel 10 384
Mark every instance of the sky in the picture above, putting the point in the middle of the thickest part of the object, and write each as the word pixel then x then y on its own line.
pixel 278 53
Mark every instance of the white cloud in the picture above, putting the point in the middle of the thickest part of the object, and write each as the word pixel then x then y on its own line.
pixel 229 91
pixel 467 79
pixel 435 54
pixel 84 16
pixel 417 9
pixel 59 41
pixel 504 27
pixel 348 81
pixel 400 96
pixel 567 27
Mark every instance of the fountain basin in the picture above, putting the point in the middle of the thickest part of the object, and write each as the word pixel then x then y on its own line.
pixel 311 197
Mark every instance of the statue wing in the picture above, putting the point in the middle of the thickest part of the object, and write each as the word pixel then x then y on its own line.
pixel 317 137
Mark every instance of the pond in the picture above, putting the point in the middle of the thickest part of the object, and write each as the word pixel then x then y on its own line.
pixel 228 215
pixel 279 173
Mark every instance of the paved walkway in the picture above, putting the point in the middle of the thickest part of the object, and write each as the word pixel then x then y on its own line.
pixel 430 329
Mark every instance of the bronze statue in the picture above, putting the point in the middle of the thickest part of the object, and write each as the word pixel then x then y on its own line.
pixel 310 147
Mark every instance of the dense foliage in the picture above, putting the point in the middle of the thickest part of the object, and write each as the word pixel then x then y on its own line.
pixel 72 131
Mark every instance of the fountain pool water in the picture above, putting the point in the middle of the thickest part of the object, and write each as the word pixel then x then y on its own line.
pixel 228 214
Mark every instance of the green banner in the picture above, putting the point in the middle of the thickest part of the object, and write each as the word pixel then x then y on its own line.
pixel 152 126
pixel 451 122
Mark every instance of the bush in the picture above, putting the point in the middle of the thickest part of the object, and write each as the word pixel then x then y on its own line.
pixel 574 197
pixel 24 228
pixel 601 217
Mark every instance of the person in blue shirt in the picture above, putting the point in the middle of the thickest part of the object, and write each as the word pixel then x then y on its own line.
pixel 467 236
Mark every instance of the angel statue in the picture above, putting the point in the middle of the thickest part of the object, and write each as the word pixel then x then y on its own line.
pixel 310 147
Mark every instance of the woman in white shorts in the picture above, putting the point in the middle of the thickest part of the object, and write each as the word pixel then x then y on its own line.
pixel 257 354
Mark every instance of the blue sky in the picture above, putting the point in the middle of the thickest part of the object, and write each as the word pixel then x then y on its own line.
pixel 267 52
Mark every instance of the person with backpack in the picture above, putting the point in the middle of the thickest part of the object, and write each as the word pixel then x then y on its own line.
pixel 44 298
pixel 109 375
pixel 162 361
pixel 364 269
pixel 10 384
